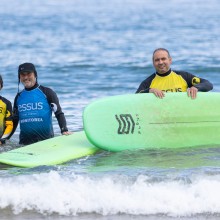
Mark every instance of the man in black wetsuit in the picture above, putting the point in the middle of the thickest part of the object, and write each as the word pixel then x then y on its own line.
pixel 33 108
pixel 167 80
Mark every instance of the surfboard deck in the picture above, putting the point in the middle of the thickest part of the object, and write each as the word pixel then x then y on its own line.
pixel 52 151
pixel 136 121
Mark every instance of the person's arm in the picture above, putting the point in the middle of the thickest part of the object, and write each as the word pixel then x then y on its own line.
pixel 144 87
pixel 204 85
pixel 195 84
pixel 55 105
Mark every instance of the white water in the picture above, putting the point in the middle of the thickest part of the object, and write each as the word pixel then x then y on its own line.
pixel 69 196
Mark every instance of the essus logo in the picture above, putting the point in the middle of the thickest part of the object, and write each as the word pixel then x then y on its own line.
pixel 30 106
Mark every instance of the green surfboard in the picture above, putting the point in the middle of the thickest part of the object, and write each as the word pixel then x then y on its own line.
pixel 140 121
pixel 52 151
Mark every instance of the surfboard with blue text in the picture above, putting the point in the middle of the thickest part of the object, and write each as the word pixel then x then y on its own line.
pixel 52 151
pixel 136 121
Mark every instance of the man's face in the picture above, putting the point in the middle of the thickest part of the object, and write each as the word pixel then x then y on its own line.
pixel 28 79
pixel 161 61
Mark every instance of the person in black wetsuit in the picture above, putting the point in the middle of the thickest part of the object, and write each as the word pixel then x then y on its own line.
pixel 33 108
pixel 167 80
pixel 6 123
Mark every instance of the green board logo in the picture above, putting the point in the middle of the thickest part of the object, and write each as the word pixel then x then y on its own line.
pixel 126 123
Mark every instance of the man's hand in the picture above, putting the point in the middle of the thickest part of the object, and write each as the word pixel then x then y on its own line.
pixel 158 93
pixel 192 92
pixel 67 133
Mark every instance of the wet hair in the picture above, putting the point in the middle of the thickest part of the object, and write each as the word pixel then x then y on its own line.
pixel 1 82
pixel 163 49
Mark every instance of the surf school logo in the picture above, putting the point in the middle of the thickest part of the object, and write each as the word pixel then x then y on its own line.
pixel 126 123
pixel 195 80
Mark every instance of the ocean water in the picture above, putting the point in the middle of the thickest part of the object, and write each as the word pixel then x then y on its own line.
pixel 89 49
